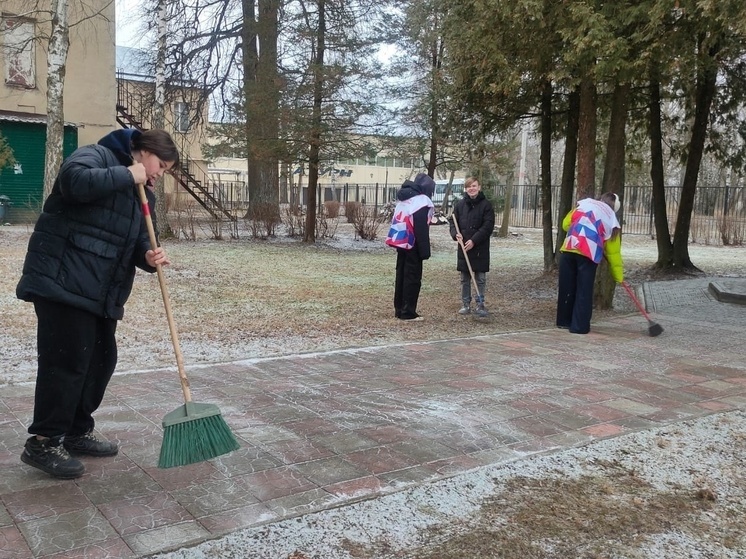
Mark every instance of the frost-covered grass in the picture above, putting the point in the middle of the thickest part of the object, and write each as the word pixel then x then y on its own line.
pixel 237 299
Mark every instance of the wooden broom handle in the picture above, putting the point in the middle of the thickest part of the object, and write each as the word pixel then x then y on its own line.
pixel 166 299
pixel 466 256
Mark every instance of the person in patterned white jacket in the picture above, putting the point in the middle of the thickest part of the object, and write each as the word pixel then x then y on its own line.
pixel 410 235
pixel 593 233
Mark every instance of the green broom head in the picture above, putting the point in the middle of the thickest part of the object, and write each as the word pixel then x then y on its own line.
pixel 194 433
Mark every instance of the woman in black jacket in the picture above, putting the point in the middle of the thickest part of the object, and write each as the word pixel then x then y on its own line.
pixel 78 273
pixel 476 221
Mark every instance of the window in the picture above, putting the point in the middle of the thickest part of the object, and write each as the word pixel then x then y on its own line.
pixel 181 116
pixel 19 52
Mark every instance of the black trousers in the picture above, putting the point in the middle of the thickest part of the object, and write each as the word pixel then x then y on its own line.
pixel 77 355
pixel 408 283
pixel 577 275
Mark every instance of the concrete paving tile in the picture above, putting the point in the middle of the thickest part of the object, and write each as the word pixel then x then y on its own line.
pixel 292 452
pixel 454 465
pixel 19 477
pixel 167 537
pixel 312 427
pixel 674 413
pixel 329 471
pixel 275 483
pixel 13 545
pixel 631 407
pixel 355 489
pixel 604 430
pixel 424 450
pixel 258 434
pixel 184 476
pixel 301 503
pixel 57 499
pixel 130 516
pixel 716 406
pixel 13 436
pixel 344 442
pixel 236 519
pixel 5 518
pixel 213 497
pixel 112 479
pixel 570 439
pixel 380 460
pixel 407 477
pixel 71 530
pixel 245 460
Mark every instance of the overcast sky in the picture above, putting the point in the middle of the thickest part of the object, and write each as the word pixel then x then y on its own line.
pixel 129 22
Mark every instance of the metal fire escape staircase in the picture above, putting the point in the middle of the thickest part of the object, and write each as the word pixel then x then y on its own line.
pixel 189 175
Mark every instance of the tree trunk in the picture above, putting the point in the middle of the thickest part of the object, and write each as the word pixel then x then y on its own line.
pixel 613 181
pixel 705 92
pixel 249 62
pixel 568 166
pixel 546 173
pixel 315 140
pixel 268 160
pixel 587 139
pixel 435 60
pixel 660 216
pixel 59 43
pixel 506 206
pixel 262 104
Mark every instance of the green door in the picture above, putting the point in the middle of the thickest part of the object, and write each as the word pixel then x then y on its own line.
pixel 24 182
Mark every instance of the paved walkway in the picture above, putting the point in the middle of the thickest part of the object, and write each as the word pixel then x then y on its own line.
pixel 318 431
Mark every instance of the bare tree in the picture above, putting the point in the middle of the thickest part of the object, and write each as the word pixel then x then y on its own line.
pixel 59 43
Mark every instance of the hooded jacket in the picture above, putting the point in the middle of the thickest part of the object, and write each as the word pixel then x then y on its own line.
pixel 591 230
pixel 91 233
pixel 421 217
pixel 476 221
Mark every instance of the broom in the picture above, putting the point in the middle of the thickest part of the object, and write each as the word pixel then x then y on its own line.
pixel 654 329
pixel 192 432
pixel 466 257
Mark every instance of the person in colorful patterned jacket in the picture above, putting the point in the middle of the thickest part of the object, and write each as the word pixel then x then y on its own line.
pixel 410 235
pixel 593 233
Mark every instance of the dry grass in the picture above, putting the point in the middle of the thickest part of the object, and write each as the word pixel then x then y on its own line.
pixel 239 299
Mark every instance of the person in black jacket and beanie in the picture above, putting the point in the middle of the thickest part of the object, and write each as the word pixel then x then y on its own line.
pixel 78 273
pixel 410 235
pixel 476 221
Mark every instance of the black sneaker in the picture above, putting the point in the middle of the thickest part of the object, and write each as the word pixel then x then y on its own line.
pixel 89 445
pixel 51 457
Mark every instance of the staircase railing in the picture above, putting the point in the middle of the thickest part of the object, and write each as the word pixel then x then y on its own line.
pixel 134 103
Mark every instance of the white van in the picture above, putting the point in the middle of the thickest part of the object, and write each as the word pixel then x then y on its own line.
pixel 457 191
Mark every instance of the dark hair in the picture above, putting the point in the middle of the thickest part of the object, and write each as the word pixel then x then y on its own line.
pixel 159 143
pixel 610 199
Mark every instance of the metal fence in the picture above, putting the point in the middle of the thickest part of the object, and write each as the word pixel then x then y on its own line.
pixel 718 217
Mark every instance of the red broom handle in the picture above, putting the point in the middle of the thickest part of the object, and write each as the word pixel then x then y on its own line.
pixel 634 298
pixel 166 299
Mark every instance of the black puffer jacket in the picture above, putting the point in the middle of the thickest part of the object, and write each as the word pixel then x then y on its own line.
pixel 91 233
pixel 476 220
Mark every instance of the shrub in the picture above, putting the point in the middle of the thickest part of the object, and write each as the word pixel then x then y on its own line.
pixel 367 224
pixel 331 208
pixel 351 211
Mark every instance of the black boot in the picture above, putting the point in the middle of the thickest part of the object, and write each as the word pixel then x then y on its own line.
pixel 51 457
